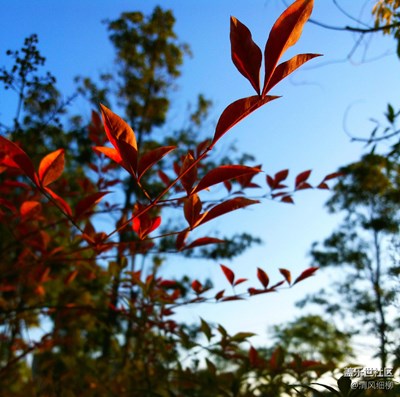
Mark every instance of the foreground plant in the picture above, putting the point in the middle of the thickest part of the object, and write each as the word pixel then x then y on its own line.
pixel 108 325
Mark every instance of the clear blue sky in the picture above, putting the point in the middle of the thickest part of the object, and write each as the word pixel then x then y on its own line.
pixel 303 130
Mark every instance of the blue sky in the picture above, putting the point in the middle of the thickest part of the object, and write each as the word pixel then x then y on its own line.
pixel 303 130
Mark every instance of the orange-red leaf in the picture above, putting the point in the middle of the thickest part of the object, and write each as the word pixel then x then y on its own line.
pixel 29 209
pixel 246 55
pixel 51 167
pixel 122 137
pixel 224 173
pixel 285 68
pixel 18 157
pixel 228 274
pixel 227 206
pixel 287 199
pixel 88 202
pixel 285 33
pixel 110 153
pixel 307 273
pixel 197 287
pixel 237 111
pixel 263 277
pixel 60 201
pixel 152 157
pixel 286 273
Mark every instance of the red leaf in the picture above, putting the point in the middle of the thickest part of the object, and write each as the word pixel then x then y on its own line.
pixel 333 176
pixel 285 33
pixel 122 137
pixel 281 176
pixel 197 287
pixel 307 273
pixel 220 294
pixel 87 203
pixel 18 158
pixel 51 167
pixel 302 177
pixel 60 201
pixel 240 281
pixel 225 207
pixel 285 68
pixel 253 357
pixel 246 55
pixel 286 273
pixel 263 277
pixel 29 209
pixel 192 209
pixel 204 241
pixel 164 177
pixel 287 199
pixel 110 153
pixel 188 173
pixel 237 111
pixel 323 185
pixel 180 239
pixel 70 277
pixel 228 274
pixel 152 157
pixel 224 173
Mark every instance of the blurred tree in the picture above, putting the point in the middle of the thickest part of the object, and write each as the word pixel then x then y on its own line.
pixel 367 194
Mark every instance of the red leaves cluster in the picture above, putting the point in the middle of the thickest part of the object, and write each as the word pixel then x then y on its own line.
pixel 247 58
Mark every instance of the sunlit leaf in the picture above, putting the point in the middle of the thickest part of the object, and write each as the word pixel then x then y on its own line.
pixel 122 137
pixel 51 167
pixel 30 209
pixel 286 68
pixel 284 34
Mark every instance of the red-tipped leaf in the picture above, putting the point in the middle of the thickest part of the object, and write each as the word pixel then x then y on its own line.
pixel 246 55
